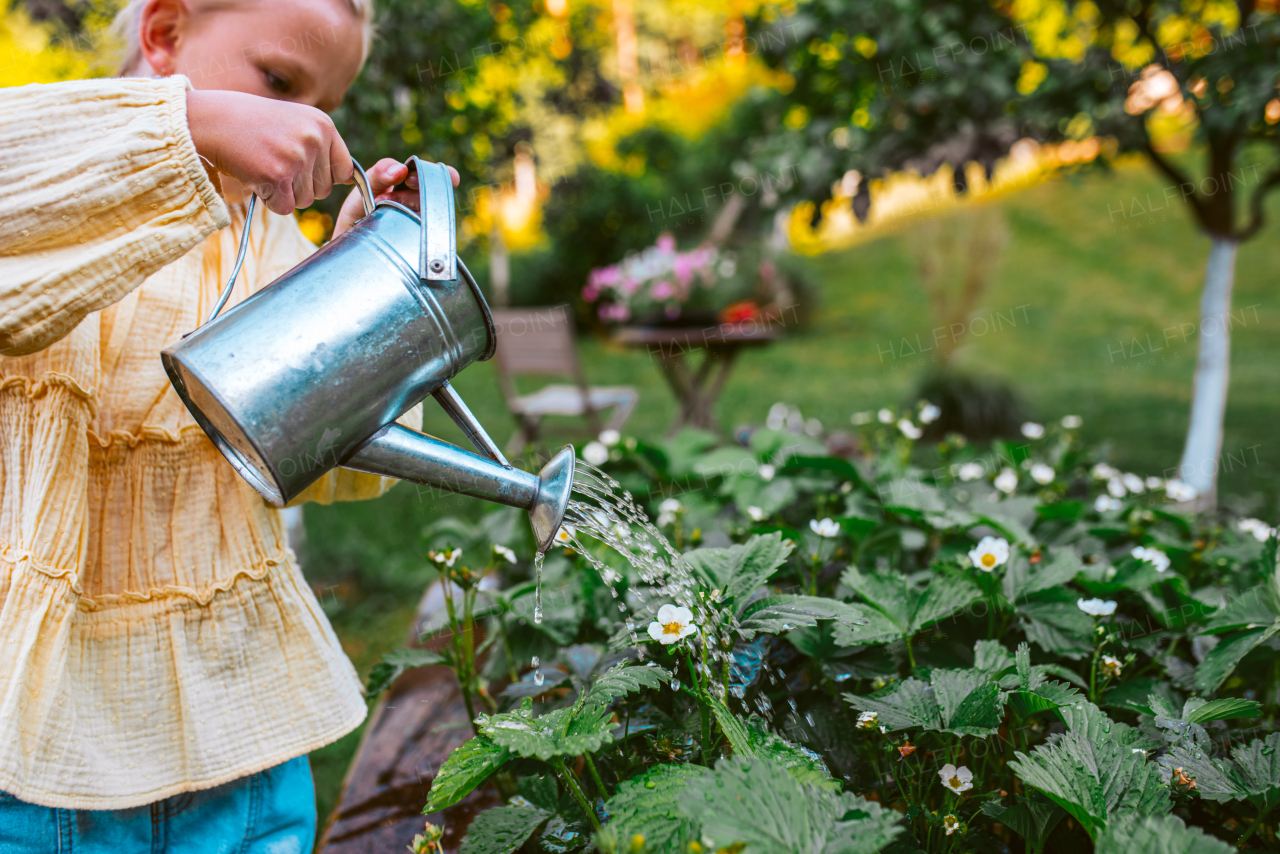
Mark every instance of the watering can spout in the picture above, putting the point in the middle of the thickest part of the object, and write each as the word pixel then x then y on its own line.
pixel 396 451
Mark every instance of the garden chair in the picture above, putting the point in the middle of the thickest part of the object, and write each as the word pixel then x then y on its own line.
pixel 540 341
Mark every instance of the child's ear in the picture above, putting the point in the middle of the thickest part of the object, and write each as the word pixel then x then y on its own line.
pixel 162 26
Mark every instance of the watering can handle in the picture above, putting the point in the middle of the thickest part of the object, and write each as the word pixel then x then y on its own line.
pixel 438 259
pixel 366 195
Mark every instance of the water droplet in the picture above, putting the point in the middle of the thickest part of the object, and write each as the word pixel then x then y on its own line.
pixel 535 661
pixel 675 684
pixel 538 678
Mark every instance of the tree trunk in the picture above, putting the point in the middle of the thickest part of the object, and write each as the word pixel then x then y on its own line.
pixel 1199 466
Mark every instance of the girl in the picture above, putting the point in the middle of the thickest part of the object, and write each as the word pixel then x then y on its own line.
pixel 166 667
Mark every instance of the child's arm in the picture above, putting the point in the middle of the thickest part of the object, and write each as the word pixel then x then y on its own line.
pixel 101 184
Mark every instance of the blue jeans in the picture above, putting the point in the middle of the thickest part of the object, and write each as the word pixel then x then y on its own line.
pixel 271 812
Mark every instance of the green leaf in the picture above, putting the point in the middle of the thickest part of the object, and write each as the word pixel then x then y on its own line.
pixel 1095 781
pixel 623 679
pixel 1021 578
pixel 1043 698
pixel 802 763
pixel 733 728
pixel 396 662
pixel 897 609
pixel 1224 657
pixel 740 570
pixel 1252 772
pixel 502 830
pixel 1164 834
pixel 563 732
pixel 651 805
pixel 758 804
pixel 1033 820
pixel 1053 621
pixel 465 769
pixel 1247 611
pixel 964 702
pixel 1225 709
pixel 782 613
pixel 945 595
pixel 910 704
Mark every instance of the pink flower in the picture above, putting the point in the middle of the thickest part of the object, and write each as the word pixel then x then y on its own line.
pixel 684 266
pixel 666 242
pixel 663 290
pixel 614 312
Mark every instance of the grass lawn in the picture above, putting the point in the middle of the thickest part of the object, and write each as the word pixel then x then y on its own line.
pixel 1083 282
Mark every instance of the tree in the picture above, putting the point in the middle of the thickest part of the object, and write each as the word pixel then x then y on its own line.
pixel 882 86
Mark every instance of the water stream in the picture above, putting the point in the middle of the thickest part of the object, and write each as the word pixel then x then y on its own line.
pixel 601 510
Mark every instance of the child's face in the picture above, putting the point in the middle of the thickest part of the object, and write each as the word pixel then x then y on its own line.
pixel 307 51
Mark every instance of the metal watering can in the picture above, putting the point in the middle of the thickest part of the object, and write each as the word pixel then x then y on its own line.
pixel 310 373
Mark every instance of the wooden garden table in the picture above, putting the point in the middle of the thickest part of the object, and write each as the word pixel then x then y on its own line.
pixel 697 390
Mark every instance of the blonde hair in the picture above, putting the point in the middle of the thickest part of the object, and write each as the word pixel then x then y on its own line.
pixel 129 19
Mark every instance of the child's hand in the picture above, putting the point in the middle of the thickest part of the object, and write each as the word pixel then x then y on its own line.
pixel 287 154
pixel 383 176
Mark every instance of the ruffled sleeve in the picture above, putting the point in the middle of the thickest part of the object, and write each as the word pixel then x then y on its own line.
pixel 100 186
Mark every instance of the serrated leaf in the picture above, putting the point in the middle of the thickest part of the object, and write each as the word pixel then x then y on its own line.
pixel 740 570
pixel 1033 820
pixel 501 830
pixel 1043 698
pixel 888 592
pixel 466 768
pixel 1053 621
pixel 910 704
pixel 945 595
pixel 979 713
pixel 782 613
pixel 651 805
pixel 1096 781
pixel 875 628
pixel 1252 772
pixel 1224 657
pixel 756 803
pixel 624 679
pixel 990 656
pixel 563 732
pixel 1228 708
pixel 387 671
pixel 1091 723
pixel 800 762
pixel 1023 578
pixel 1164 834
pixel 733 728
pixel 1248 611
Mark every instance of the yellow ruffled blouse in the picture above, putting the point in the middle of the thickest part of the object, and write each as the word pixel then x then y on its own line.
pixel 156 634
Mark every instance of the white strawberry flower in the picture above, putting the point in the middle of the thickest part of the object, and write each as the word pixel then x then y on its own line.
pixel 767 472
pixel 1102 471
pixel 1260 530
pixel 565 535
pixel 956 779
pixel 595 453
pixel 505 553
pixel 1179 490
pixel 1154 482
pixel 909 430
pixel 1155 557
pixel 610 437
pixel 1096 607
pixel 1072 422
pixel 990 553
pixel 667 511
pixel 674 623
pixel 1042 474
pixel 756 514
pixel 950 824
pixel 824 528
pixel 1032 430
pixel 971 471
pixel 446 557
pixel 1133 483
pixel 867 720
pixel 1116 487
pixel 1007 481
pixel 929 414
pixel 1109 665
pixel 1103 503
pixel 885 416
